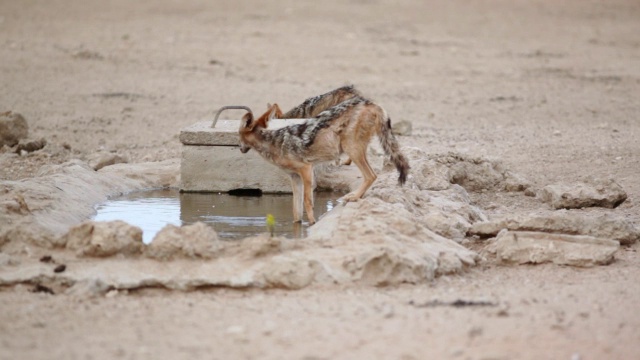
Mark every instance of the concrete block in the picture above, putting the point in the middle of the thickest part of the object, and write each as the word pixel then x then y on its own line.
pixel 225 168
pixel 212 161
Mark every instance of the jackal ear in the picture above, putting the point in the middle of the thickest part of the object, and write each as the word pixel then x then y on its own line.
pixel 247 121
pixel 274 112
pixel 278 112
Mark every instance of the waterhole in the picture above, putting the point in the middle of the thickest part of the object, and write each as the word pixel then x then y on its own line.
pixel 232 216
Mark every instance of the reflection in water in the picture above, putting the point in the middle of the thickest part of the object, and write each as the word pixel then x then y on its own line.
pixel 233 217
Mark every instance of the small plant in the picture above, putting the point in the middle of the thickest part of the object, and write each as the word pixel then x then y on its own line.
pixel 271 224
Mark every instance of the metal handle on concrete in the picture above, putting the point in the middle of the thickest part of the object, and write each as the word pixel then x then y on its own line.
pixel 231 107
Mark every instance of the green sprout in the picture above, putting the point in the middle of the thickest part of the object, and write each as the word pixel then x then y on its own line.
pixel 271 224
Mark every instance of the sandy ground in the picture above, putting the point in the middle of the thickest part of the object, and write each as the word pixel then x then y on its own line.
pixel 549 88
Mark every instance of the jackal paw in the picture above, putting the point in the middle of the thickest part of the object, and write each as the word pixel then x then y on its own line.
pixel 346 162
pixel 350 197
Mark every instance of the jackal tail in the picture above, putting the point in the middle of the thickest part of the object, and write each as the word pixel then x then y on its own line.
pixel 392 148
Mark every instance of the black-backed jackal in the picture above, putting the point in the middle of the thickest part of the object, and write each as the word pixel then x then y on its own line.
pixel 345 128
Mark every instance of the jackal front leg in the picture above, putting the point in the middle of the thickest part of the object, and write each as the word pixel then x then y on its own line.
pixel 297 188
pixel 307 179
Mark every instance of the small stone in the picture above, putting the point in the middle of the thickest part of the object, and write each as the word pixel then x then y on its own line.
pixel 13 127
pixel 30 146
pixel 112 293
pixel 235 330
pixel 87 55
pixel 89 288
pixel 42 289
pixel 514 182
pixel 402 128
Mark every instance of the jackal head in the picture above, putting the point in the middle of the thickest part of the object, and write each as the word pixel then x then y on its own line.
pixel 250 125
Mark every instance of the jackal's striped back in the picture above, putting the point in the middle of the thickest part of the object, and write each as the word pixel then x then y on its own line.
pixel 313 106
pixel 300 137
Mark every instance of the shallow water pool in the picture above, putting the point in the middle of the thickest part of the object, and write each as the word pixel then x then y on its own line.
pixel 233 217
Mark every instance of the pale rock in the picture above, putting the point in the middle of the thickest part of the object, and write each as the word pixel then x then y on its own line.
pixel 290 272
pixel 87 288
pixel 514 182
pixel 31 146
pixel 603 193
pixel 100 160
pixel 401 128
pixel 391 266
pixel 112 293
pixel 381 243
pixel 564 222
pixel 13 127
pixel 14 238
pixel 197 240
pixel 100 239
pixel 235 330
pixel 447 211
pixel 448 225
pixel 475 174
pixel 71 169
pixel 439 171
pixel 525 247
pixel 432 175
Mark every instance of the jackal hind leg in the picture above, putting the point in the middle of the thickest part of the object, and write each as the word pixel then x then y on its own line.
pixel 359 157
pixel 297 190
